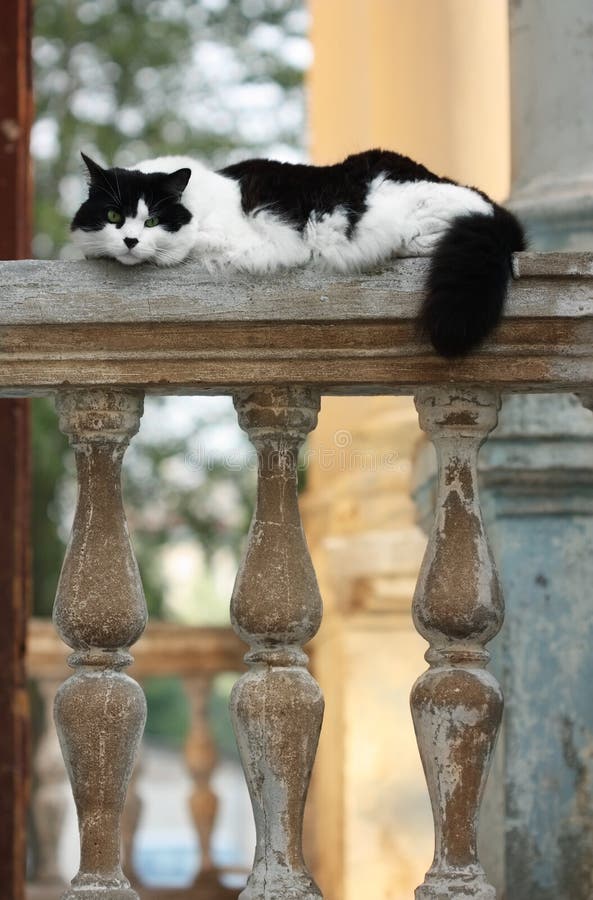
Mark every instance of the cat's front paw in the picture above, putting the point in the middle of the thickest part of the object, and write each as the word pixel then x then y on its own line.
pixel 252 261
pixel 209 242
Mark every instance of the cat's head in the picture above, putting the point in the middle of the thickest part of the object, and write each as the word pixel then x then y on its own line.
pixel 133 217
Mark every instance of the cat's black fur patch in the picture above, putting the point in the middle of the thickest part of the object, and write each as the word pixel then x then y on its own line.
pixel 295 192
pixel 122 190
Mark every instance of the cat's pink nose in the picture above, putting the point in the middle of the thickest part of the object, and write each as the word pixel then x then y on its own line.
pixel 130 242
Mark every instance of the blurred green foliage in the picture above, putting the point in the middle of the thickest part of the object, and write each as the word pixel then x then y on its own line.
pixel 218 79
pixel 175 490
pixel 168 713
pixel 49 448
pixel 147 77
pixel 219 714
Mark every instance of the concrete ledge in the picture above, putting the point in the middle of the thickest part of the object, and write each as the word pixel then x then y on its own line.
pixel 184 330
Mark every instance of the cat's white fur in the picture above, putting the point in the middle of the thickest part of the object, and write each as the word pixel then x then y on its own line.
pixel 401 219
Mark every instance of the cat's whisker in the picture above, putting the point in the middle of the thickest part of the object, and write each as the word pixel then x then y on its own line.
pixel 94 242
pixel 94 248
pixel 108 190
pixel 166 255
pixel 163 200
pixel 117 185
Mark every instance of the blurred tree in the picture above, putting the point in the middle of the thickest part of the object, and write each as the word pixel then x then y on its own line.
pixel 178 487
pixel 49 450
pixel 175 489
pixel 220 79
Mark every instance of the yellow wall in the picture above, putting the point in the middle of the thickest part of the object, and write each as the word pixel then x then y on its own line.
pixel 428 78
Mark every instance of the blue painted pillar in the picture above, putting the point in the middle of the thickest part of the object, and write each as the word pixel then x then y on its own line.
pixel 537 488
pixel 536 831
pixel 537 473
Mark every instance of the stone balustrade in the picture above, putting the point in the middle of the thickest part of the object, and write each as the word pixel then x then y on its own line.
pixel 196 655
pixel 98 336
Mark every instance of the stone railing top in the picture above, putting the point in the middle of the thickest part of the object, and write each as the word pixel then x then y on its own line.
pixel 184 330
pixel 40 292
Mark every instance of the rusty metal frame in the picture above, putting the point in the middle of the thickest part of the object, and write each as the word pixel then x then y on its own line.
pixel 15 242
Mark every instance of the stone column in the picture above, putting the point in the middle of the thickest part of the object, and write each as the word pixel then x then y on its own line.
pixel 552 121
pixel 537 475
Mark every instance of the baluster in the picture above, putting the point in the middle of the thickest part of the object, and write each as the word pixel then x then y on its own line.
pixel 100 612
pixel 201 757
pixel 49 798
pixel 458 607
pixel 277 707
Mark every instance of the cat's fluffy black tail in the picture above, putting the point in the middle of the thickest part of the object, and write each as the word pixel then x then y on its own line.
pixel 468 280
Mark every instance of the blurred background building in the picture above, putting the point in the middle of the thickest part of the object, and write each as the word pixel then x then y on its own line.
pixel 497 95
pixel 430 80
pixel 441 81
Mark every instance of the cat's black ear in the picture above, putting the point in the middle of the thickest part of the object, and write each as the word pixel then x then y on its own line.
pixel 177 181
pixel 95 171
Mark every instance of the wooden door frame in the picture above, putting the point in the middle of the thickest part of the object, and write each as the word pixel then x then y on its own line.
pixel 16 107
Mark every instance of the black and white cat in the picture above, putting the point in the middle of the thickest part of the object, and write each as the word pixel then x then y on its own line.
pixel 261 216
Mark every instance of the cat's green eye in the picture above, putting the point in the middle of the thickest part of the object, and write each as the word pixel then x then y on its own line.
pixel 114 216
pixel 150 223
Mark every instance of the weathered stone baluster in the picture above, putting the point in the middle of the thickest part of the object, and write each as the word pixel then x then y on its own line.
pixel 201 757
pixel 100 612
pixel 458 608
pixel 277 707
